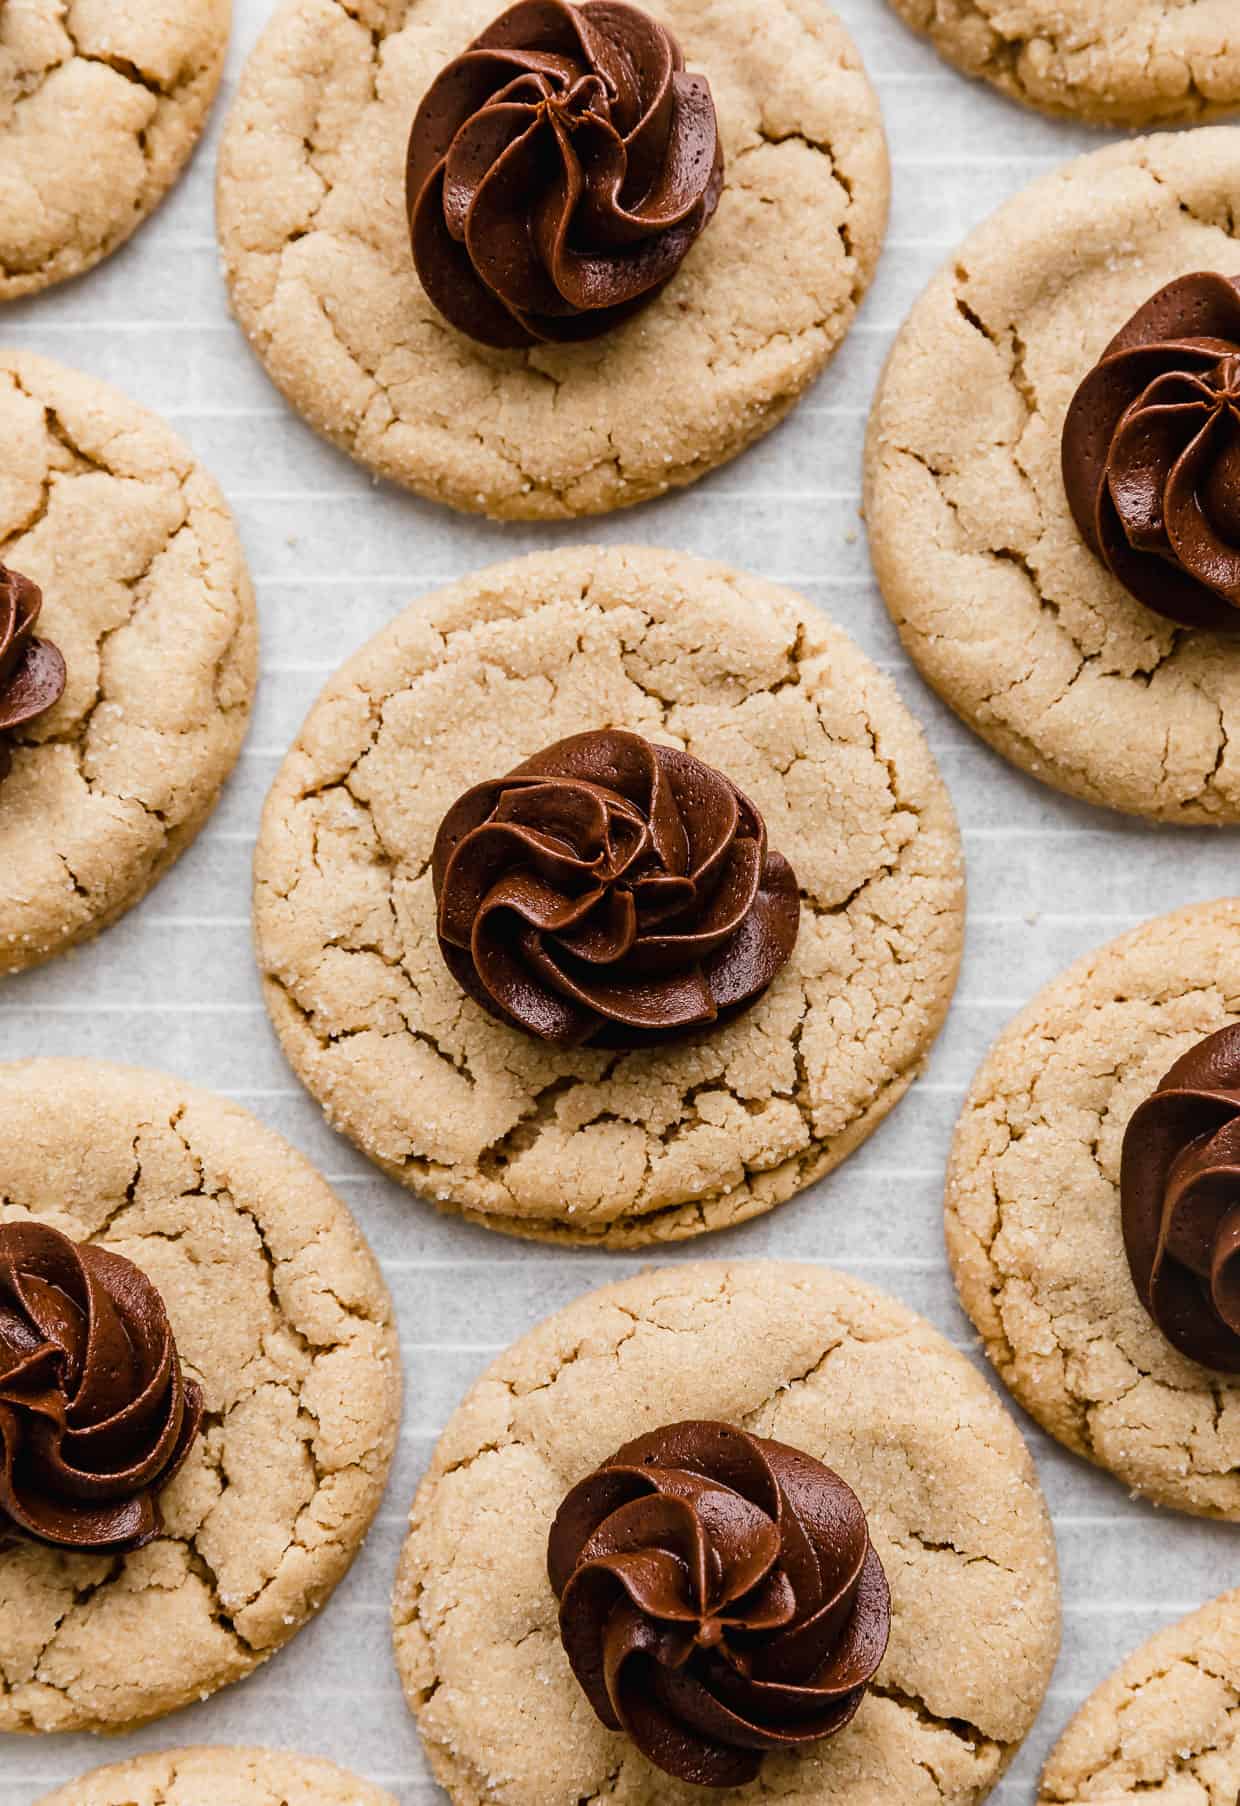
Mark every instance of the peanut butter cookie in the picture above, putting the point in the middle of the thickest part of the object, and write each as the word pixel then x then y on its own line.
pixel 284 1331
pixel 316 241
pixel 820 1364
pixel 101 103
pixel 610 1141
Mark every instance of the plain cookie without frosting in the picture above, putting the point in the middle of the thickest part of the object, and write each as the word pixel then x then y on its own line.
pixel 281 1316
pixel 999 601
pixel 1164 1728
pixel 1138 62
pixel 591 1145
pixel 812 1358
pixel 1034 1230
pixel 222 1777
pixel 316 245
pixel 101 103
pixel 146 593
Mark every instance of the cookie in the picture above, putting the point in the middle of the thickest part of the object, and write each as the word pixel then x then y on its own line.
pixel 147 598
pixel 1146 63
pixel 815 1360
pixel 1035 1229
pixel 316 244
pixel 1007 611
pixel 232 1777
pixel 283 1321
pixel 1165 1726
pixel 595 1144
pixel 101 104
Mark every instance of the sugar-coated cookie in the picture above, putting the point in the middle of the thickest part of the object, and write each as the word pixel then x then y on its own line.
pixel 1165 1726
pixel 802 1355
pixel 226 1777
pixel 1007 610
pixel 281 1320
pixel 1036 1227
pixel 101 103
pixel 596 1144
pixel 147 600
pixel 316 243
pixel 1140 63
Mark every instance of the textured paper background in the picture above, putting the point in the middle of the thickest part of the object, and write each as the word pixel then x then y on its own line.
pixel 334 558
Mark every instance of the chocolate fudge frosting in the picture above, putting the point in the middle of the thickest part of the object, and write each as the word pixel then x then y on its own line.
pixel 32 671
pixel 95 1417
pixel 559 170
pixel 612 891
pixel 1151 454
pixel 719 1599
pixel 1180 1192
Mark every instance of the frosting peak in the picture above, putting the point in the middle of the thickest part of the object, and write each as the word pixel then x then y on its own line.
pixel 1180 1193
pixel 612 891
pixel 719 1599
pixel 559 171
pixel 1151 454
pixel 32 672
pixel 95 1418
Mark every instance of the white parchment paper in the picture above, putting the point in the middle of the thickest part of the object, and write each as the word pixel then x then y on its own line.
pixel 334 557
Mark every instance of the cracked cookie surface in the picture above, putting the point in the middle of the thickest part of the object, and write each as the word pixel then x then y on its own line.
pixel 810 1357
pixel 998 599
pixel 101 103
pixel 280 1314
pixel 232 1777
pixel 1142 62
pixel 146 593
pixel 313 229
pixel 591 1145
pixel 1034 1230
pixel 1164 1727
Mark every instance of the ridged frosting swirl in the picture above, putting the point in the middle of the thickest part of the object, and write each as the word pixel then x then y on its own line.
pixel 559 170
pixel 612 891
pixel 95 1416
pixel 32 671
pixel 1151 454
pixel 719 1599
pixel 1180 1194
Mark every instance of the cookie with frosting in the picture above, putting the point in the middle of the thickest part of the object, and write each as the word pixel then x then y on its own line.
pixel 613 945
pixel 550 259
pixel 1093 1209
pixel 1053 479
pixel 763 1532
pixel 199 1395
pixel 128 655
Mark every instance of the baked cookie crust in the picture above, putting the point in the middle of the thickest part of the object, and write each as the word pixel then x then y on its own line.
pixel 1146 64
pixel 1034 1229
pixel 591 1145
pixel 231 1777
pixel 1164 1726
pixel 101 103
pixel 316 247
pixel 815 1359
pixel 147 595
pixel 281 1316
pixel 998 600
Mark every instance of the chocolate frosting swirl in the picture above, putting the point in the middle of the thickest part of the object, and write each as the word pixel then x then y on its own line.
pixel 1180 1194
pixel 611 891
pixel 32 672
pixel 719 1599
pixel 95 1417
pixel 1151 454
pixel 559 171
